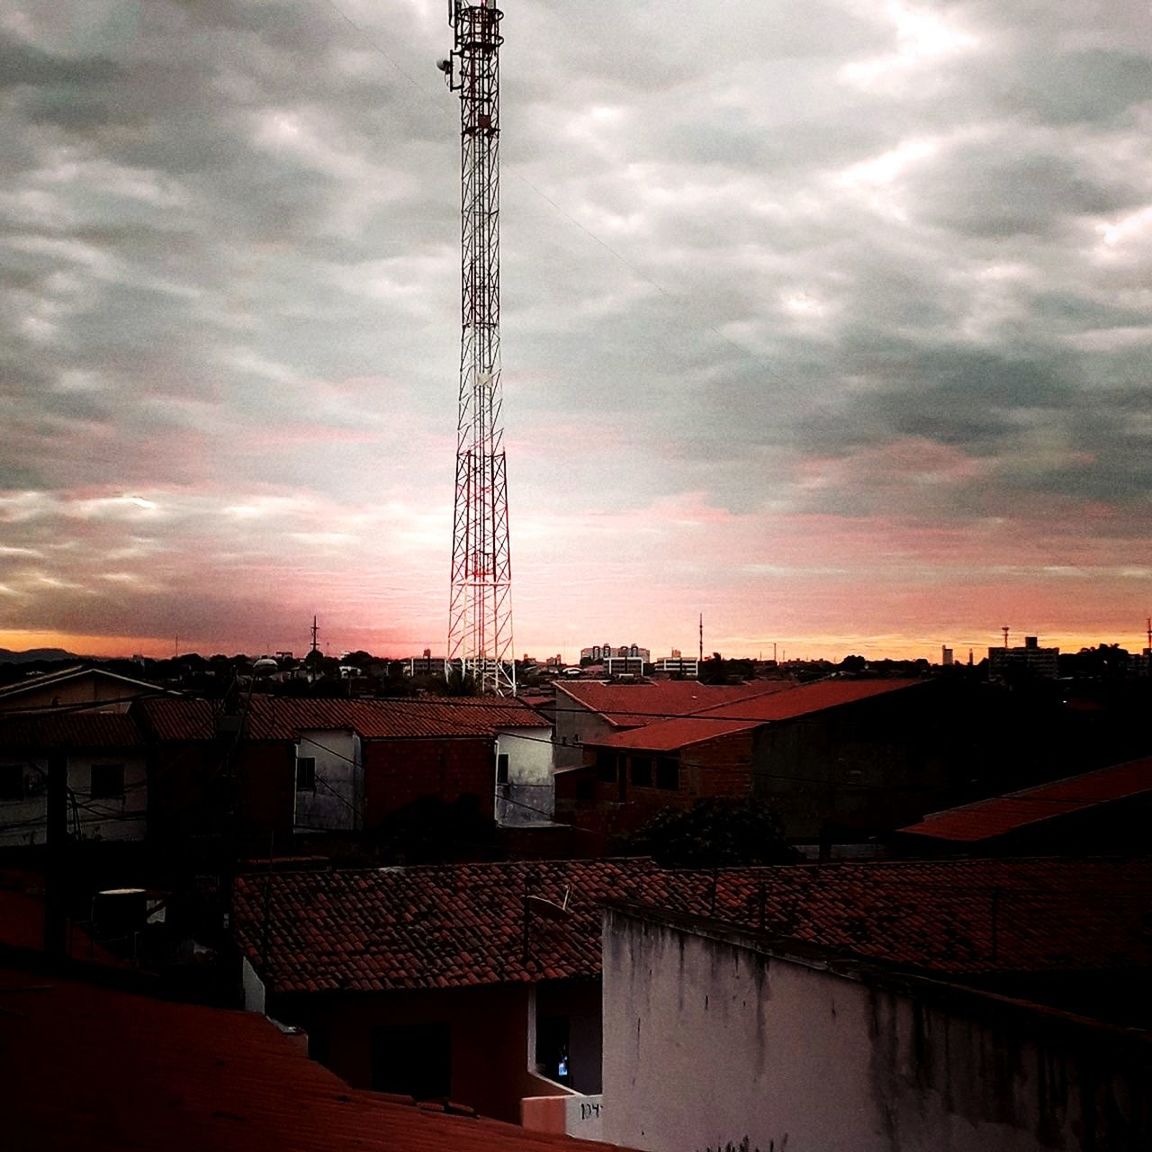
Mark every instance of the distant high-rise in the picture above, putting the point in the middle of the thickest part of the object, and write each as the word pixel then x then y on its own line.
pixel 480 604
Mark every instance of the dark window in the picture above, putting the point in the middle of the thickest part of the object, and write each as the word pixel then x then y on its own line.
pixel 642 771
pixel 305 773
pixel 552 1048
pixel 107 782
pixel 413 1059
pixel 11 781
pixel 502 768
pixel 606 767
pixel 668 772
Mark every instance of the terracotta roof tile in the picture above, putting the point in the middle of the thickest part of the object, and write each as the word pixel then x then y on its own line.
pixel 634 705
pixel 103 1070
pixel 744 715
pixel 463 925
pixel 284 718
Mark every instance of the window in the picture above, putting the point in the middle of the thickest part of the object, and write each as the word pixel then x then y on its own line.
pixel 107 782
pixel 305 773
pixel 552 1047
pixel 502 768
pixel 413 1059
pixel 606 767
pixel 11 781
pixel 668 773
pixel 642 771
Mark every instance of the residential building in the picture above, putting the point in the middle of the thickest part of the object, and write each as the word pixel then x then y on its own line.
pixel 339 765
pixel 587 710
pixel 101 1067
pixel 78 688
pixel 904 1007
pixel 602 653
pixel 104 763
pixel 833 754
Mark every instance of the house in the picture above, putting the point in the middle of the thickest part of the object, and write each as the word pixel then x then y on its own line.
pixel 968 1005
pixel 100 1067
pixel 1108 810
pixel 486 976
pixel 288 765
pixel 834 751
pixel 587 710
pixel 103 760
pixel 78 688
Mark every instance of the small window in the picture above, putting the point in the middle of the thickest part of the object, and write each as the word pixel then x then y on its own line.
pixel 502 768
pixel 11 781
pixel 305 773
pixel 107 782
pixel 606 767
pixel 668 773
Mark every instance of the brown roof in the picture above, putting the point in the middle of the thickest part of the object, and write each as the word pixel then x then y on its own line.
pixel 284 718
pixel 107 1071
pixel 634 705
pixel 999 815
pixel 78 730
pixel 451 926
pixel 743 715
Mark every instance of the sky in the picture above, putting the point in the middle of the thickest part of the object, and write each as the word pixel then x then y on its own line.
pixel 829 321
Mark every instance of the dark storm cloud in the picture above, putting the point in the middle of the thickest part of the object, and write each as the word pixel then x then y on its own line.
pixel 885 260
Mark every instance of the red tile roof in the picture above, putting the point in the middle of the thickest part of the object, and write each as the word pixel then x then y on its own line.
pixel 284 718
pixel 986 819
pixel 634 705
pixel 438 927
pixel 744 715
pixel 107 1071
pixel 79 730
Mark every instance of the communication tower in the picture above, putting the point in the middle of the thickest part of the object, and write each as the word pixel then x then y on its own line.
pixel 480 605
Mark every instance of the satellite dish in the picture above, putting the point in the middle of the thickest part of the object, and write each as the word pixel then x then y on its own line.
pixel 445 66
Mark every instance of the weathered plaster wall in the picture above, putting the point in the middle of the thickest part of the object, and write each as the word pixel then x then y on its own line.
pixel 708 1041
pixel 529 797
pixel 337 802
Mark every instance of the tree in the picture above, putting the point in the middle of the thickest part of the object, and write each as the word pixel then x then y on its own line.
pixel 716 832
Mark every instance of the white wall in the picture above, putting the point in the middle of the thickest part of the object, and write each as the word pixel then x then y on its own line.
pixel 254 994
pixel 707 1042
pixel 338 802
pixel 25 821
pixel 531 795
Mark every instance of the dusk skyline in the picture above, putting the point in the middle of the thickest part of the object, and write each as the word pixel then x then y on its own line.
pixel 832 326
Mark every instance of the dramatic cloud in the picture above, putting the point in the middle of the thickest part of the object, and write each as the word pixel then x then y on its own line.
pixel 833 324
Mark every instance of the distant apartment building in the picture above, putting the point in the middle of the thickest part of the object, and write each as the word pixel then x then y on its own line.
pixel 603 653
pixel 1030 659
pixel 677 665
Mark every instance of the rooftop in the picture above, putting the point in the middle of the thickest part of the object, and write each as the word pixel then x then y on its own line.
pixel 285 718
pixel 454 926
pixel 634 705
pixel 76 730
pixel 744 715
pixel 104 1070
pixel 999 815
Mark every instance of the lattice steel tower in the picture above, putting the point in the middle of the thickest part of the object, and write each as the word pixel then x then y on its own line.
pixel 480 607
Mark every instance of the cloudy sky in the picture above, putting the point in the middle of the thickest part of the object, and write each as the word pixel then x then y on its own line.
pixel 829 320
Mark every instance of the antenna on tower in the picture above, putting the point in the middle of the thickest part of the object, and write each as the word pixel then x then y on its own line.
pixel 315 635
pixel 480 603
pixel 1005 631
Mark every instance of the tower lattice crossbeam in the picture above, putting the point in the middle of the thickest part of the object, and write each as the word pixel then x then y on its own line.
pixel 480 609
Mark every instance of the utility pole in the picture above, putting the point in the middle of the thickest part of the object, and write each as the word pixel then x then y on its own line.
pixel 56 879
pixel 480 602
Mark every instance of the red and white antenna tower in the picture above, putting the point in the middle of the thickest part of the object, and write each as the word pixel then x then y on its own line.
pixel 480 606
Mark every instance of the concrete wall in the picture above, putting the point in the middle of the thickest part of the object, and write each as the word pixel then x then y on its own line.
pixel 25 822
pixel 707 1041
pixel 337 803
pixel 529 796
pixel 575 726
